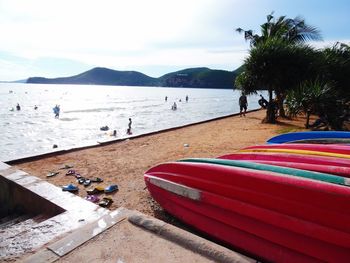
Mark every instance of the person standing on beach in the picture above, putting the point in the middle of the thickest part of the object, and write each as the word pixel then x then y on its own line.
pixel 186 98
pixel 243 105
pixel 166 98
pixel 18 107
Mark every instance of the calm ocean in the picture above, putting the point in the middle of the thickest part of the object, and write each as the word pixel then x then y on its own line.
pixel 86 108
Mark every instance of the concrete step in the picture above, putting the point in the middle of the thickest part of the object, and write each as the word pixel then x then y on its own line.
pixel 20 225
pixel 8 218
pixel 13 220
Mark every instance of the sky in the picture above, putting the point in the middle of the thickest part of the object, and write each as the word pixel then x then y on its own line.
pixel 58 38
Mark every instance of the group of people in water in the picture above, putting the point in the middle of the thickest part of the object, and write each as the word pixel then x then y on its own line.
pixel 174 106
pixel 56 109
pixel 18 107
pixel 114 133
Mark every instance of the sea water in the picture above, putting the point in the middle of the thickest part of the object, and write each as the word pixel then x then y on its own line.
pixel 87 108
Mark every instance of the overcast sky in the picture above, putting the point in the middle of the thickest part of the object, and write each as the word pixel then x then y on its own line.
pixel 54 38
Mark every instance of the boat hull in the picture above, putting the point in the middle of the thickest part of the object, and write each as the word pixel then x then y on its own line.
pixel 264 148
pixel 327 148
pixel 288 157
pixel 270 216
pixel 322 165
pixel 325 177
pixel 325 136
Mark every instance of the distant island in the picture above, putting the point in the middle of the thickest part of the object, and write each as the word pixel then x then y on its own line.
pixel 189 78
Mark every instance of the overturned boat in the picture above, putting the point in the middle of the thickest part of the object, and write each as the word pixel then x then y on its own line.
pixel 270 215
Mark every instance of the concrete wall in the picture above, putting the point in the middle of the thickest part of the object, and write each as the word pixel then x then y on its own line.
pixel 15 198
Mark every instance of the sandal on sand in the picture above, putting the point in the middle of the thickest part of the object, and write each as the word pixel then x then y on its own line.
pixel 111 188
pixel 87 182
pixel 92 198
pixel 70 188
pixel 96 190
pixel 77 175
pixel 66 166
pixel 105 202
pixel 50 174
pixel 70 172
pixel 81 180
pixel 96 180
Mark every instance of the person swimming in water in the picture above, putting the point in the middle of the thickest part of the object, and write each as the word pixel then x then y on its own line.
pixel 174 107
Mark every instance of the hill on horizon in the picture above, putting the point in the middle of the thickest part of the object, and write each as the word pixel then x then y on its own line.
pixel 189 78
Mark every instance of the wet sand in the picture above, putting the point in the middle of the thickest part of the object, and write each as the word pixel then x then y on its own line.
pixel 124 163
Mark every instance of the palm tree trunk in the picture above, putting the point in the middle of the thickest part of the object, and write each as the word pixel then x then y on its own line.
pixel 270 113
pixel 280 100
pixel 307 124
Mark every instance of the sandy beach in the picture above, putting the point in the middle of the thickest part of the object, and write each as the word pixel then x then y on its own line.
pixel 124 163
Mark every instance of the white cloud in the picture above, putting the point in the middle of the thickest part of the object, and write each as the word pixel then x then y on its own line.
pixel 125 34
pixel 112 25
pixel 328 43
pixel 119 34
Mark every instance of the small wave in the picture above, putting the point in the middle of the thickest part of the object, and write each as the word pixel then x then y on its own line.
pixel 29 122
pixel 151 106
pixel 69 119
pixel 128 101
pixel 94 110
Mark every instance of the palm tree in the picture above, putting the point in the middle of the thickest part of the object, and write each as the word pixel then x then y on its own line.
pixel 292 30
pixel 337 67
pixel 287 31
pixel 310 98
pixel 277 66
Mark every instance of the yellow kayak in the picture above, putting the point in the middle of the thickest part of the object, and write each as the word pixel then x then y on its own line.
pixel 294 151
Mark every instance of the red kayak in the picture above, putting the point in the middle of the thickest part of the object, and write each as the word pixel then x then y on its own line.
pixel 331 148
pixel 272 216
pixel 311 164
pixel 286 157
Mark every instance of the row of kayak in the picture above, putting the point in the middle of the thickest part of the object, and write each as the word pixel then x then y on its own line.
pixel 276 202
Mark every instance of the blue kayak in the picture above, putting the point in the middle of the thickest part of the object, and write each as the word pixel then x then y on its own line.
pixel 312 137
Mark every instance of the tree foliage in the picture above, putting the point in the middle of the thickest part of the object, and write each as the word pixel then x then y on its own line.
pixel 337 67
pixel 313 81
pixel 278 67
pixel 311 96
pixel 293 31
pixel 278 59
pixel 329 95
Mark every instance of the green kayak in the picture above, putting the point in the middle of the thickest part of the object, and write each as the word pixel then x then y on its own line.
pixel 277 169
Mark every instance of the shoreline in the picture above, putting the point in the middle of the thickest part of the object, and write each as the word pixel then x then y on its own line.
pixel 124 162
pixel 111 141
pixel 80 125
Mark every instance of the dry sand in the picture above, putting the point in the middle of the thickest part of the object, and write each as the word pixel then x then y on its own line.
pixel 124 163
